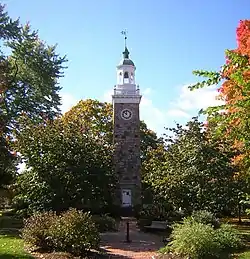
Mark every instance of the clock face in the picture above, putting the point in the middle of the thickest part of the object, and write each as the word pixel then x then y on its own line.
pixel 126 114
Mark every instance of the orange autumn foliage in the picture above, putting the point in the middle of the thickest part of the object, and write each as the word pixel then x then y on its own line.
pixel 231 92
pixel 243 37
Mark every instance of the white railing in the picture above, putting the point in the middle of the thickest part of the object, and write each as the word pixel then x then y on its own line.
pixel 126 92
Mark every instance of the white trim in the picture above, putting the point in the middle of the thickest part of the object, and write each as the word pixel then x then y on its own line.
pixel 126 99
pixel 121 66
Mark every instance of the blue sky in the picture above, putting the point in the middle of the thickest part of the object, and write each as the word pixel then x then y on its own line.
pixel 167 39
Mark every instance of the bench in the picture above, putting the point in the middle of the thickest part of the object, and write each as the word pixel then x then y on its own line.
pixel 159 225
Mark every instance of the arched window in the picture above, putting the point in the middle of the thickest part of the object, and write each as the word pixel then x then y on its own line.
pixel 126 75
pixel 126 78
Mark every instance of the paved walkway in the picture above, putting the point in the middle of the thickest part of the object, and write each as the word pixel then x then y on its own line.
pixel 142 246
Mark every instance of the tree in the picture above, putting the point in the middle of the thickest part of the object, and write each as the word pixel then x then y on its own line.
pixel 67 168
pixel 32 87
pixel 70 158
pixel 92 116
pixel 28 84
pixel 149 141
pixel 97 118
pixel 193 172
pixel 234 76
pixel 9 30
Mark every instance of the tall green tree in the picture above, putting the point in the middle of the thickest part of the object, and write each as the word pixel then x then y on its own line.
pixel 232 120
pixel 194 171
pixel 67 168
pixel 70 158
pixel 29 73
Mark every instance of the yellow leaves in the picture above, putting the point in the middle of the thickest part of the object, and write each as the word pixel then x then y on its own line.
pixel 92 116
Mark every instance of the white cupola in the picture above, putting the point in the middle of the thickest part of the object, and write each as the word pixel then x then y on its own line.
pixel 126 70
pixel 126 90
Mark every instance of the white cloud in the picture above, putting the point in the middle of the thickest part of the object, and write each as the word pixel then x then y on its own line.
pixel 181 109
pixel 177 113
pixel 153 116
pixel 147 91
pixel 193 101
pixel 107 97
pixel 68 101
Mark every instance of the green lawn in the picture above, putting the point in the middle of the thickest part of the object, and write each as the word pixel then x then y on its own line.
pixel 245 255
pixel 12 247
pixel 245 232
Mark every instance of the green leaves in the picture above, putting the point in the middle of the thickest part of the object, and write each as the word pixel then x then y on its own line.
pixel 197 240
pixel 70 158
pixel 73 231
pixel 34 89
pixel 29 73
pixel 9 29
pixel 68 168
pixel 193 171
pixel 231 120
pixel 213 79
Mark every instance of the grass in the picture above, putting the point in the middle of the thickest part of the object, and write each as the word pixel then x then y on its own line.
pixel 244 229
pixel 245 255
pixel 12 247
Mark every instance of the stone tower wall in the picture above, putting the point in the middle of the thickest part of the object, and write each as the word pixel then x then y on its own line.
pixel 127 162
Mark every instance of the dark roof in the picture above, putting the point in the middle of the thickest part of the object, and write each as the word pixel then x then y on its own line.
pixel 127 61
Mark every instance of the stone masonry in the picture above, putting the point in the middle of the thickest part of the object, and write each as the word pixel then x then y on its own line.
pixel 127 151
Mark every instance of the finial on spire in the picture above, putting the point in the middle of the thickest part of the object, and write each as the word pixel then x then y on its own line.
pixel 126 52
pixel 125 32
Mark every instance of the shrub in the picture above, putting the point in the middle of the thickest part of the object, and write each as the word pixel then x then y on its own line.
pixel 105 223
pixel 205 217
pixel 229 238
pixel 74 232
pixel 199 241
pixel 155 211
pixel 165 250
pixel 35 231
pixel 194 240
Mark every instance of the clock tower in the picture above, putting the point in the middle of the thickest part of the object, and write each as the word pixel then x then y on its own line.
pixel 127 164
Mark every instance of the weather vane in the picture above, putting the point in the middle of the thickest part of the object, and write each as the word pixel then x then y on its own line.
pixel 125 32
